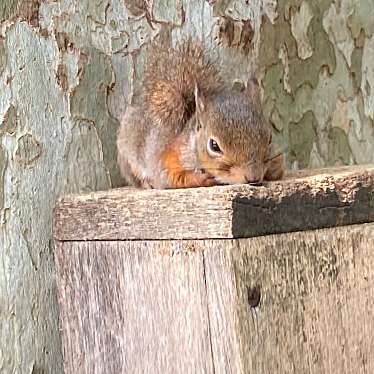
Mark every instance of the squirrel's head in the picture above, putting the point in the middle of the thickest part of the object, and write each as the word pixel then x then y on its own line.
pixel 233 139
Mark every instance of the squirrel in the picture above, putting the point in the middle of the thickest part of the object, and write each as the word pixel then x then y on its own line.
pixel 191 130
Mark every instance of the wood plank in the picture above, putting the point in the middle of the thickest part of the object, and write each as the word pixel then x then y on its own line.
pixel 315 313
pixel 133 308
pixel 183 306
pixel 305 200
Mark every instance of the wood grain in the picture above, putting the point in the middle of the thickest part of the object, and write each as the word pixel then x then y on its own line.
pixel 315 314
pixel 305 200
pixel 132 308
pixel 182 306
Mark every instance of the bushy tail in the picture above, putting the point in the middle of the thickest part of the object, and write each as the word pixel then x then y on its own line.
pixel 170 78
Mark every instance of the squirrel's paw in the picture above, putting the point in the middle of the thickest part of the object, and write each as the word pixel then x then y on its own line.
pixel 190 179
pixel 275 169
pixel 200 179
pixel 208 181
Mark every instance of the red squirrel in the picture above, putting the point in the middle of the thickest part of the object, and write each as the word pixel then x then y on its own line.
pixel 193 131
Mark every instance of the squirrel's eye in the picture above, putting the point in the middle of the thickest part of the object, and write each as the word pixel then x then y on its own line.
pixel 213 147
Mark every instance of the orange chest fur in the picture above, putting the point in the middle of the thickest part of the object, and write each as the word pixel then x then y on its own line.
pixel 179 176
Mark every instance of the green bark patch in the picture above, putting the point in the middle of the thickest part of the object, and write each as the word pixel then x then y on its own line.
pixel 96 9
pixel 9 124
pixel 273 37
pixel 219 7
pixel 168 11
pixel 362 18
pixel 302 136
pixel 339 148
pixel 26 10
pixel 278 104
pixel 8 9
pixel 285 76
pixel 89 102
pixel 121 43
pixel 307 71
pixel 89 98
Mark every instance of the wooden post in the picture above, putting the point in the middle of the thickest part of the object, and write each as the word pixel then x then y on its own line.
pixel 196 281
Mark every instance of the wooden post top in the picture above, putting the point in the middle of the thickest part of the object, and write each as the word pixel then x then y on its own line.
pixel 304 200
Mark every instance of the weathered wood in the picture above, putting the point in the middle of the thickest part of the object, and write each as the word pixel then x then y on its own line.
pixel 182 306
pixel 315 314
pixel 133 308
pixel 304 200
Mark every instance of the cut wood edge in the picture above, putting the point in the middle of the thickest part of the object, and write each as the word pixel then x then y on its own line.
pixel 304 200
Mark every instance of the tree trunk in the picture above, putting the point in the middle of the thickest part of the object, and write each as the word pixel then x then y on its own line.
pixel 68 68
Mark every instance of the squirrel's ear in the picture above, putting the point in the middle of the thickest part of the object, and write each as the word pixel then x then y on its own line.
pixel 253 91
pixel 199 100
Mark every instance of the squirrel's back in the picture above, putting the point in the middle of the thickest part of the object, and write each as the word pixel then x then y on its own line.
pixel 170 79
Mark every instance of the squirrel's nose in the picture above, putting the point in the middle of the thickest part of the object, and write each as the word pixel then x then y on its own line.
pixel 254 182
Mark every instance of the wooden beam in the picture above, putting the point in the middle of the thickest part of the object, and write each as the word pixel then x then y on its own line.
pixel 132 307
pixel 305 200
pixel 290 303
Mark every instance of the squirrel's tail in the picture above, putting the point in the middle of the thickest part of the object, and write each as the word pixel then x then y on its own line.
pixel 170 78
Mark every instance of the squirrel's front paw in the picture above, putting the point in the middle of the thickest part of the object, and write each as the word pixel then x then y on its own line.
pixel 208 181
pixel 275 169
pixel 191 179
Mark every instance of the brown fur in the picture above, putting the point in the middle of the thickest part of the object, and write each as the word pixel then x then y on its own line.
pixel 275 168
pixel 163 142
pixel 169 82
